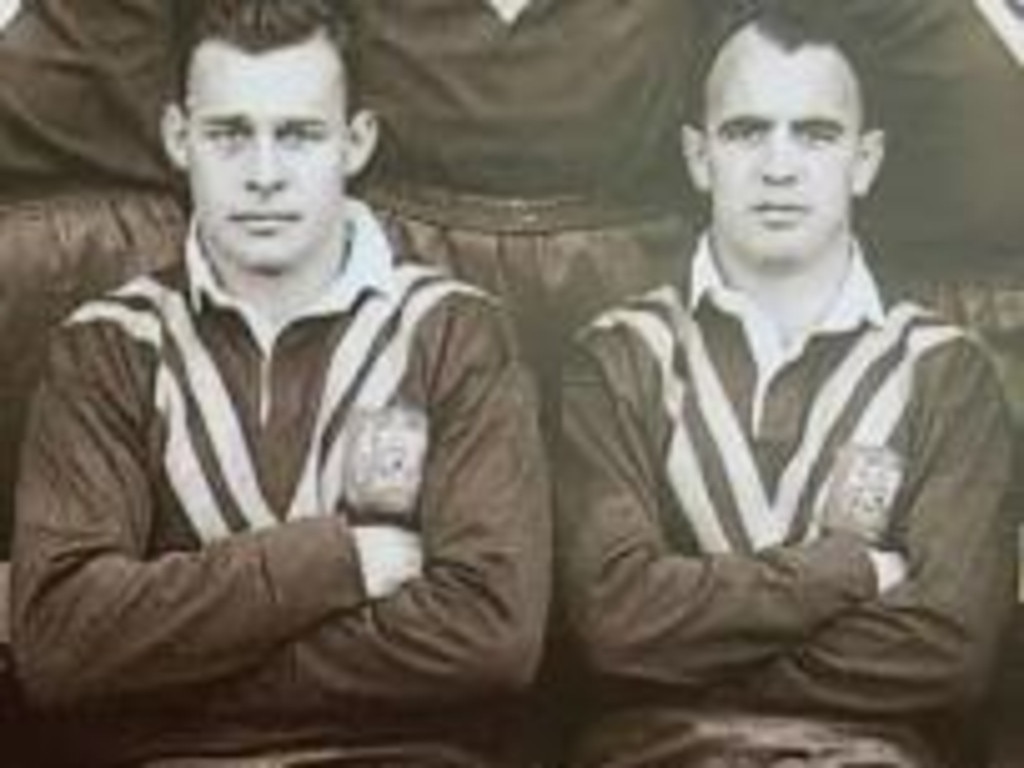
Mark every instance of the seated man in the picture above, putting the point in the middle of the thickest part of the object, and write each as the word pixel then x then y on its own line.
pixel 287 496
pixel 781 492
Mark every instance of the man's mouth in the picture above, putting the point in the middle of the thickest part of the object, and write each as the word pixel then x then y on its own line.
pixel 261 217
pixel 264 222
pixel 780 214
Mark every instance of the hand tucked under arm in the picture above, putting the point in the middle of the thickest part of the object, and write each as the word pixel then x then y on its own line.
pixel 389 556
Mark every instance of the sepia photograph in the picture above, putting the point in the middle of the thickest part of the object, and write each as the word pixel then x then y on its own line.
pixel 511 383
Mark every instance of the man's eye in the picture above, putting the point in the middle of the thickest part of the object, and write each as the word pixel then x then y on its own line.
pixel 820 135
pixel 227 138
pixel 300 136
pixel 742 131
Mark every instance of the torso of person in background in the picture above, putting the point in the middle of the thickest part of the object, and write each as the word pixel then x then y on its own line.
pixel 81 90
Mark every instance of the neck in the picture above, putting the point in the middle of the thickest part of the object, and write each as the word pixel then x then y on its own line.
pixel 279 297
pixel 795 296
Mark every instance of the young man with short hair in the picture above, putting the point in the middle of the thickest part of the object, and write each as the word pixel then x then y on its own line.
pixel 287 496
pixel 781 528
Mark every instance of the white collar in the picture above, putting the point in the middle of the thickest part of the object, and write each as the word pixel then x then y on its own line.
pixel 368 265
pixel 857 301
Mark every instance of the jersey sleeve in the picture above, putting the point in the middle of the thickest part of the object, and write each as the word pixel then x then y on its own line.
pixel 95 615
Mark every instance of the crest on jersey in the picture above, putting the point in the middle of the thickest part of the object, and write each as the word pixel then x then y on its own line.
pixel 1006 17
pixel 8 11
pixel 508 10
pixel 386 453
pixel 865 482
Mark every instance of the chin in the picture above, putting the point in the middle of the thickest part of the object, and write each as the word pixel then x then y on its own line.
pixel 781 259
pixel 271 268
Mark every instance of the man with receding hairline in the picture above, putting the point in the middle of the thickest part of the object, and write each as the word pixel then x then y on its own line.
pixel 782 539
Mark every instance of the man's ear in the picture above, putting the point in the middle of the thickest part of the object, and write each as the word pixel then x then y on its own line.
pixel 174 130
pixel 870 154
pixel 695 150
pixel 362 141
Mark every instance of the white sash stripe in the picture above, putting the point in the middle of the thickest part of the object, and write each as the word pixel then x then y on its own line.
pixel 214 403
pixel 382 382
pixel 682 464
pixel 745 482
pixel 683 467
pixel 345 364
pixel 184 470
pixel 388 369
pixel 880 418
pixel 1006 17
pixel 141 325
pixel 829 405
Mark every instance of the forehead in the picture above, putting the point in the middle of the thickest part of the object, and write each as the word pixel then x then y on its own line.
pixel 754 75
pixel 302 79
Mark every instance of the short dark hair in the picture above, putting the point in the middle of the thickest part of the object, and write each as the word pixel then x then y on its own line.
pixel 790 24
pixel 256 26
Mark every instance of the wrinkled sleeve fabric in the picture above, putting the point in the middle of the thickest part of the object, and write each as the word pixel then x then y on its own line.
pixel 472 625
pixel 81 91
pixel 643 607
pixel 94 616
pixel 929 643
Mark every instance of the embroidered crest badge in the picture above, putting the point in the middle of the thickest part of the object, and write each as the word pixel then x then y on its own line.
pixel 9 9
pixel 1006 18
pixel 386 452
pixel 865 482
pixel 508 11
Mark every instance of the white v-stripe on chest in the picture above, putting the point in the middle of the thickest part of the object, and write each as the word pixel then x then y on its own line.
pixel 319 490
pixel 766 520
pixel 508 11
pixel 1006 18
pixel 9 9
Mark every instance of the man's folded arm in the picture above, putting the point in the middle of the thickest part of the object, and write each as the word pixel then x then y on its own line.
pixel 929 643
pixel 643 607
pixel 472 624
pixel 93 616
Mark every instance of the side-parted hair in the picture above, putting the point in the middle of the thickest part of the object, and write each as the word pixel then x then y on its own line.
pixel 258 26
pixel 790 24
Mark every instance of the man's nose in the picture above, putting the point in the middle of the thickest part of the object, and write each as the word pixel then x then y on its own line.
pixel 781 159
pixel 266 174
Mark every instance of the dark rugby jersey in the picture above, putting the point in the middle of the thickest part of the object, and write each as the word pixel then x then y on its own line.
pixel 217 599
pixel 688 588
pixel 82 84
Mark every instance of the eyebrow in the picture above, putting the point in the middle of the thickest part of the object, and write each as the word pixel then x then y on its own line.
pixel 823 124
pixel 225 121
pixel 828 125
pixel 303 122
pixel 747 122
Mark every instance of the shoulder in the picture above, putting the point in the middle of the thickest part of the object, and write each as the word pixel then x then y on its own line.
pixel 953 367
pixel 450 323
pixel 118 336
pixel 630 348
